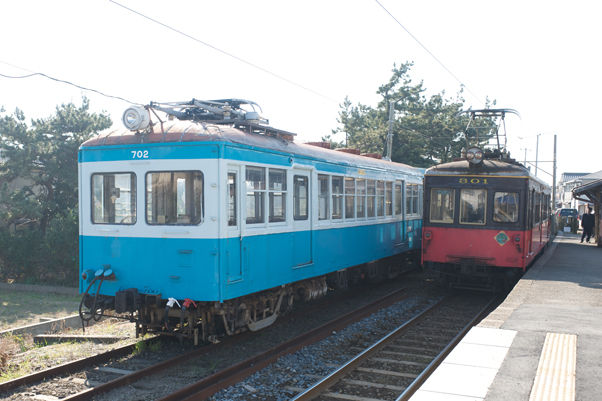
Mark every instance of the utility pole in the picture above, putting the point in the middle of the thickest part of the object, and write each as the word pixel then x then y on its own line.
pixel 554 228
pixel 390 134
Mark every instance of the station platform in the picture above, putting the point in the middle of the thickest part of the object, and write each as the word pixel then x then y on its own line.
pixel 544 342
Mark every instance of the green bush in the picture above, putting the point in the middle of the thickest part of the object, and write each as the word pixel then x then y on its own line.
pixel 30 257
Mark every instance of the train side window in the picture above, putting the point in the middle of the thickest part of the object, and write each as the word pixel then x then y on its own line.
pixel 473 206
pixel 380 198
pixel 337 197
pixel 114 198
pixel 349 198
pixel 300 198
pixel 442 205
pixel 232 199
pixel 505 207
pixel 371 198
pixel 360 187
pixel 174 197
pixel 277 195
pixel 323 195
pixel 536 209
pixel 389 198
pixel 412 199
pixel 398 199
pixel 255 184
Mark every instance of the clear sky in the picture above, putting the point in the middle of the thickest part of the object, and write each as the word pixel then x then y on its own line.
pixel 541 58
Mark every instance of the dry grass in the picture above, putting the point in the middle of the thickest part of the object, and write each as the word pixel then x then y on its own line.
pixel 23 308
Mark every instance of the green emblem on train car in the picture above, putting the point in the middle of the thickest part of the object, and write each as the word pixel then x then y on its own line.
pixel 501 238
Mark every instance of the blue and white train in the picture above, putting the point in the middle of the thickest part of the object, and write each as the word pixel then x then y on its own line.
pixel 212 223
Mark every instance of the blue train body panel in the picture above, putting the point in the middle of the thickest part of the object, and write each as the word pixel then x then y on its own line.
pixel 216 259
pixel 207 269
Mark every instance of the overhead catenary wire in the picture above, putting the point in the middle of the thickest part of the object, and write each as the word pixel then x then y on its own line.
pixel 224 52
pixel 33 74
pixel 429 52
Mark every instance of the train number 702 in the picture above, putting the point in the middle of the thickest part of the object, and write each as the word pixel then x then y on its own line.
pixel 139 154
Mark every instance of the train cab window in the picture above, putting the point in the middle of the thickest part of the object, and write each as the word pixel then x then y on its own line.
pixel 231 199
pixel 371 198
pixel 114 198
pixel 505 207
pixel 323 181
pixel 277 196
pixel 442 205
pixel 389 198
pixel 398 199
pixel 412 199
pixel 300 197
pixel 360 188
pixel 174 197
pixel 349 198
pixel 337 197
pixel 380 198
pixel 255 183
pixel 473 205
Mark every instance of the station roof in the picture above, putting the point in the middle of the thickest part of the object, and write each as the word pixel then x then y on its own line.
pixel 592 190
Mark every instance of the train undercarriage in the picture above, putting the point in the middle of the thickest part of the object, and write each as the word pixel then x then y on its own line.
pixel 212 321
pixel 472 275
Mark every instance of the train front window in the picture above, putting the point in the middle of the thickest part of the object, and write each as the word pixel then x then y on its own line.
pixel 174 198
pixel 505 207
pixel 442 205
pixel 473 206
pixel 114 198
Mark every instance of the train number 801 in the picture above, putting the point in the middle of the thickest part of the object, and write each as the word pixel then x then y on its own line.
pixel 473 181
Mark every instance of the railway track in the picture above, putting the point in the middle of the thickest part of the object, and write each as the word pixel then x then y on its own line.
pixel 128 377
pixel 395 367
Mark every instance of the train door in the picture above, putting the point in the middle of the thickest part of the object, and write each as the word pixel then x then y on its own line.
pixel 399 212
pixel 529 229
pixel 302 229
pixel 539 208
pixel 233 243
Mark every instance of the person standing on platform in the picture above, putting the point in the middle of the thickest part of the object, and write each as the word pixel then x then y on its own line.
pixel 587 223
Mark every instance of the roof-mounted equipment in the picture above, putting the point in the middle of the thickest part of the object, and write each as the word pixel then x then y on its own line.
pixel 223 111
pixel 476 152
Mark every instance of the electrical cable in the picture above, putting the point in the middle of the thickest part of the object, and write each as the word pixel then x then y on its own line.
pixel 60 80
pixel 224 52
pixel 427 50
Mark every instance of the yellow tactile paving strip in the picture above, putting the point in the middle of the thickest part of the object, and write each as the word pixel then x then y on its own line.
pixel 555 379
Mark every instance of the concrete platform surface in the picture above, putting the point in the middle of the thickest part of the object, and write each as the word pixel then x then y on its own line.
pixel 558 300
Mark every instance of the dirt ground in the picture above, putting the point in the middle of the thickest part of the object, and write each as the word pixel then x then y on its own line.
pixel 19 308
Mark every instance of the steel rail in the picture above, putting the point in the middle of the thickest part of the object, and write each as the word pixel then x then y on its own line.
pixel 74 366
pixel 161 366
pixel 428 371
pixel 236 373
pixel 354 363
pixel 69 367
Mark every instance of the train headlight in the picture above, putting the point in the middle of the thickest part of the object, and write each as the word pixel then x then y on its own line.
pixel 517 239
pixel 474 155
pixel 136 118
pixel 428 235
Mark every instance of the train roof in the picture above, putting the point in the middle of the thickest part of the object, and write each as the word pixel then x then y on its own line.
pixel 259 137
pixel 487 167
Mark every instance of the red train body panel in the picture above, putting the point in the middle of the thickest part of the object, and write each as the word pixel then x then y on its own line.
pixel 483 224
